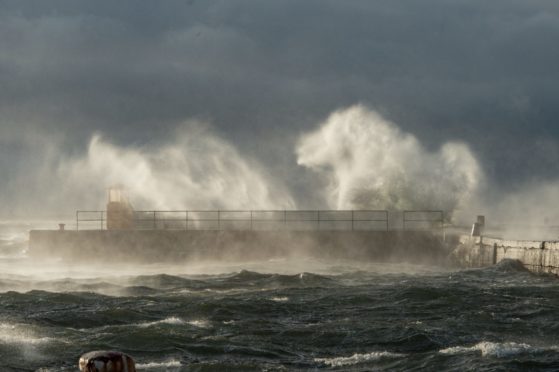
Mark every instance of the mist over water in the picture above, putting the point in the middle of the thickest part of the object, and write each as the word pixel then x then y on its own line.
pixel 367 162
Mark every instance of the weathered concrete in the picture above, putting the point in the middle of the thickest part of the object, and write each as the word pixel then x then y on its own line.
pixel 235 245
pixel 536 256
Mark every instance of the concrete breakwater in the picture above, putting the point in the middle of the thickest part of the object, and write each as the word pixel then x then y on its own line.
pixel 237 245
pixel 480 251
pixel 149 246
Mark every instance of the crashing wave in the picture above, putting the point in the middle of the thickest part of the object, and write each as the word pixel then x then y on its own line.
pixel 368 162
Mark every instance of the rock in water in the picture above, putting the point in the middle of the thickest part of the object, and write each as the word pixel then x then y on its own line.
pixel 509 265
pixel 106 361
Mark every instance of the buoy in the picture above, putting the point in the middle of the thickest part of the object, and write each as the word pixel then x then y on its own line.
pixel 106 361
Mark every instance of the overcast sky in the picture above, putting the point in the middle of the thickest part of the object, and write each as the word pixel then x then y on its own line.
pixel 262 72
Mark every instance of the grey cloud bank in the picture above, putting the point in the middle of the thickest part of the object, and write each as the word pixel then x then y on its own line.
pixel 483 73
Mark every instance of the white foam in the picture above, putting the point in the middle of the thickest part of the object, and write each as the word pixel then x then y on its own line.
pixel 357 358
pixel 20 334
pixel 280 299
pixel 200 323
pixel 167 364
pixel 492 349
pixel 173 320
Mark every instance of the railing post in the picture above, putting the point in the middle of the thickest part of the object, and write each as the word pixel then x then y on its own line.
pixel 442 226
pixel 218 220
pixel 318 220
pixel 154 224
pixel 352 219
pixel 284 219
pixel 77 221
pixel 186 220
pixel 102 219
pixel 386 219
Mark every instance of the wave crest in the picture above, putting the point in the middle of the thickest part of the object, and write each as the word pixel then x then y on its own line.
pixel 493 349
pixel 159 365
pixel 357 358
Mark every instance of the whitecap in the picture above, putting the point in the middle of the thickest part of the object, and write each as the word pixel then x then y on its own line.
pixel 357 358
pixel 173 363
pixel 173 320
pixel 493 349
pixel 200 323
pixel 280 299
pixel 20 334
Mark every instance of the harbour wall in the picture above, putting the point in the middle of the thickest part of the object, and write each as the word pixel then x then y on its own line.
pixel 481 251
pixel 148 246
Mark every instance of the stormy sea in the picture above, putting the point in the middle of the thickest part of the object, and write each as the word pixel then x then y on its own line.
pixel 292 315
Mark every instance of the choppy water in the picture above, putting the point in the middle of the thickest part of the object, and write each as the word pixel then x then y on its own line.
pixel 277 315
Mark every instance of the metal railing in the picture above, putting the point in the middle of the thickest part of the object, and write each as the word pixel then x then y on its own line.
pixel 91 219
pixel 429 220
pixel 244 220
pixel 267 220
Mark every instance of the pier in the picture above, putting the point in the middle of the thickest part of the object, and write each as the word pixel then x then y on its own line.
pixel 186 236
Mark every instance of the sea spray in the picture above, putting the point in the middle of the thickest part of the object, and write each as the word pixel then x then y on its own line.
pixel 195 170
pixel 368 162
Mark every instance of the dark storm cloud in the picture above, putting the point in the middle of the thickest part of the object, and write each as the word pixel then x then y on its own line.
pixel 262 72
